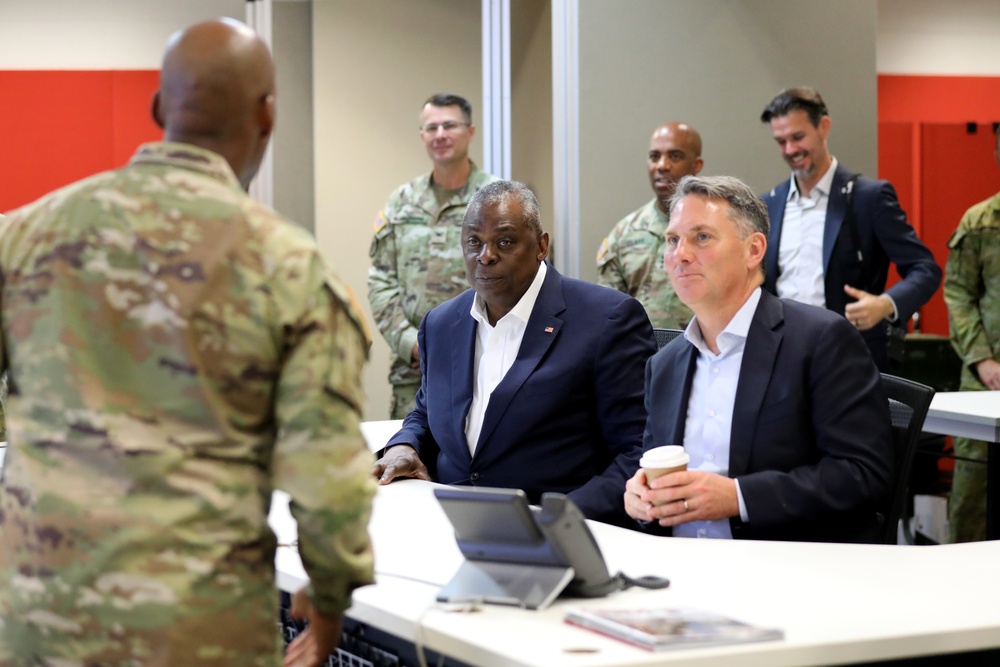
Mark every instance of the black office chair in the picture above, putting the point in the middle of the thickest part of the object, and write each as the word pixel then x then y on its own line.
pixel 908 404
pixel 664 336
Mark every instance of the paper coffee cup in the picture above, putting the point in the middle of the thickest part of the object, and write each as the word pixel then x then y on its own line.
pixel 662 460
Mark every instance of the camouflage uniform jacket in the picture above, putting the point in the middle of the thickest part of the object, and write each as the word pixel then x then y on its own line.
pixel 630 260
pixel 3 397
pixel 175 350
pixel 417 263
pixel 972 288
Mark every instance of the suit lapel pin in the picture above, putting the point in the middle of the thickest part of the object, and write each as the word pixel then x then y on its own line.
pixel 549 329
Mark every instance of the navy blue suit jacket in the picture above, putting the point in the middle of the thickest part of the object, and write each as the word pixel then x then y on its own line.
pixel 567 417
pixel 811 441
pixel 885 236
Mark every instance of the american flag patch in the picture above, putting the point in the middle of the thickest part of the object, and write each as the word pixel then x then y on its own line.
pixel 549 329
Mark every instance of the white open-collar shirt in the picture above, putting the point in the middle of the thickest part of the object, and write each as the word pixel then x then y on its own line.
pixel 708 427
pixel 496 350
pixel 800 248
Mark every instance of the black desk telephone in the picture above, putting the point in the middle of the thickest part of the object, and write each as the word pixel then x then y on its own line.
pixel 525 556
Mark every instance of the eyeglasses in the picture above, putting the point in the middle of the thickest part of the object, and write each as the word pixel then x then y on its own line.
pixel 448 126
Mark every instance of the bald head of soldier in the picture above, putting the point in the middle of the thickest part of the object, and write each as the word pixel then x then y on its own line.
pixel 674 152
pixel 217 92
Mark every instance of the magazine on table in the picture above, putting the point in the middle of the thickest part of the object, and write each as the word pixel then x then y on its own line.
pixel 663 628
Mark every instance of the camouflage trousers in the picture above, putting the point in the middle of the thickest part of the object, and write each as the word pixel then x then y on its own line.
pixel 967 506
pixel 404 398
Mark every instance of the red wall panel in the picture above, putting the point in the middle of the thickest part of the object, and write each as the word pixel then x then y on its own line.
pixel 896 164
pixel 59 126
pixel 895 139
pixel 938 173
pixel 132 103
pixel 938 99
pixel 957 170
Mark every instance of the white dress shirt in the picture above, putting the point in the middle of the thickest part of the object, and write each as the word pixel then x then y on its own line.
pixel 800 248
pixel 496 350
pixel 709 423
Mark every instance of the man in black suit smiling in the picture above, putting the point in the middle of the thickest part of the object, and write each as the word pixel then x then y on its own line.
pixel 833 233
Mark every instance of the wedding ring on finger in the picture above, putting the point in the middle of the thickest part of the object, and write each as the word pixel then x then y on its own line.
pixel 686 508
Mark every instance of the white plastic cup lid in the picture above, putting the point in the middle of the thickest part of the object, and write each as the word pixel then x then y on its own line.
pixel 668 456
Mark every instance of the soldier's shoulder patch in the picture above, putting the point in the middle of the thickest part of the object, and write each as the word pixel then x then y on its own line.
pixel 346 296
pixel 380 221
pixel 956 238
pixel 602 250
pixel 359 316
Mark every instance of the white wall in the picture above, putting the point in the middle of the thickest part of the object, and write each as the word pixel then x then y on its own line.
pixel 931 37
pixel 374 63
pixel 98 34
pixel 531 100
pixel 293 141
pixel 714 64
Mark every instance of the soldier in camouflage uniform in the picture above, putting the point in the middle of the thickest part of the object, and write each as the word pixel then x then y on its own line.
pixel 972 294
pixel 176 351
pixel 630 258
pixel 3 399
pixel 416 253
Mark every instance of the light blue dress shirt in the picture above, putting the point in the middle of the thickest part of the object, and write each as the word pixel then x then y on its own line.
pixel 709 423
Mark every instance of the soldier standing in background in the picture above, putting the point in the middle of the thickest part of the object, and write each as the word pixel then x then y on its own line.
pixel 630 258
pixel 3 400
pixel 972 294
pixel 176 351
pixel 416 253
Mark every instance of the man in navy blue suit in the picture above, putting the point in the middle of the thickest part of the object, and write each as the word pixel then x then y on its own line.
pixel 778 403
pixel 827 254
pixel 530 380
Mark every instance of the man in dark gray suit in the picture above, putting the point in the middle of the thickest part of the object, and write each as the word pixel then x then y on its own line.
pixel 778 403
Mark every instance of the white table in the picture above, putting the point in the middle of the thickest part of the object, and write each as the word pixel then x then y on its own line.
pixel 836 603
pixel 973 414
pixel 377 433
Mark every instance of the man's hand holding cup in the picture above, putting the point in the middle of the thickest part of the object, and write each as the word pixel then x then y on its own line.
pixel 655 462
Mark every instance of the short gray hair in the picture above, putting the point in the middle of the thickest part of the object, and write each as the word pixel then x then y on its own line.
pixel 495 193
pixel 746 209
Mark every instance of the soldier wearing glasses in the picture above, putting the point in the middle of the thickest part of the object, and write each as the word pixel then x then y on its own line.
pixel 416 253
